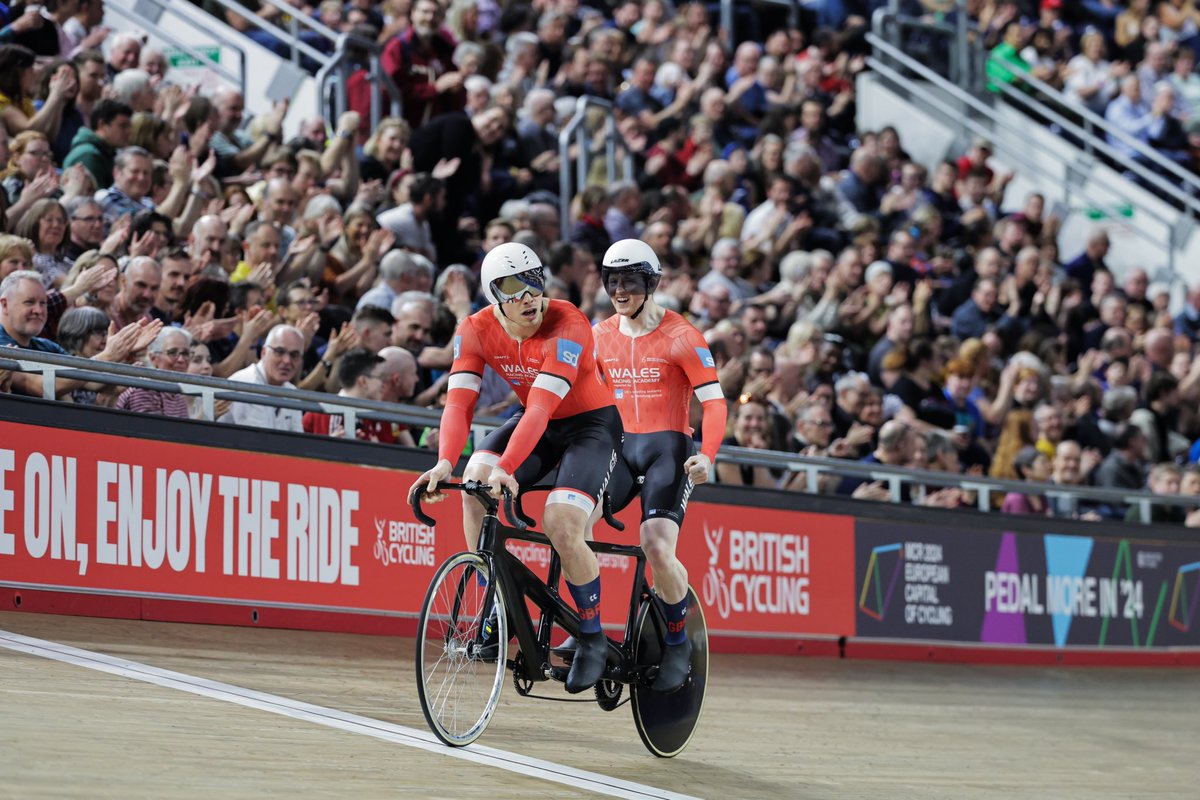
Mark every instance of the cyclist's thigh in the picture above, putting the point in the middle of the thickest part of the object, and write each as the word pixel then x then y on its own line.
pixel 666 488
pixel 623 485
pixel 593 444
pixel 545 454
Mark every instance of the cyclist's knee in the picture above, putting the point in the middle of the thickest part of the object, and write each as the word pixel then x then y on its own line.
pixel 564 521
pixel 659 537
pixel 479 467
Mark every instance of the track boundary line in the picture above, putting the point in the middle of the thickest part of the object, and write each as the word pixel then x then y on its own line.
pixel 332 718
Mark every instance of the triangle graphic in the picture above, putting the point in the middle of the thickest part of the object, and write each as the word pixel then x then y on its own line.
pixel 1066 557
pixel 998 627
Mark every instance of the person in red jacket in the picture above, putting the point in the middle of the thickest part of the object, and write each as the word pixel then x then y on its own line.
pixel 544 349
pixel 655 360
pixel 419 61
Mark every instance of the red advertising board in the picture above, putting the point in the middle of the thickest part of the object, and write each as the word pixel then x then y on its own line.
pixel 769 571
pixel 112 513
pixel 115 514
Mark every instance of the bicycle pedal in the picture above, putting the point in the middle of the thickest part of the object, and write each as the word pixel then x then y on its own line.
pixel 566 650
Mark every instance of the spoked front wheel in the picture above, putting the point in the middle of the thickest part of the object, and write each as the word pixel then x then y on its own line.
pixel 461 650
pixel 666 722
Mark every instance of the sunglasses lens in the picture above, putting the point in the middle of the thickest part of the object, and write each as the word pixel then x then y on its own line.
pixel 512 287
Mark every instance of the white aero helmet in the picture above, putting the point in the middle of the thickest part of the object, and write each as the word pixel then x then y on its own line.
pixel 631 256
pixel 509 270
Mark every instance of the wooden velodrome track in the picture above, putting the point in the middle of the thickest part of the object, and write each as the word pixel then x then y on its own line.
pixel 107 720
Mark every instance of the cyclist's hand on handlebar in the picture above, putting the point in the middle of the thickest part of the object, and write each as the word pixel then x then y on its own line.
pixel 698 468
pixel 427 484
pixel 499 480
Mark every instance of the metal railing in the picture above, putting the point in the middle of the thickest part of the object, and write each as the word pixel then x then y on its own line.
pixel 879 64
pixel 52 366
pixel 577 129
pixel 151 26
pixel 334 67
pixel 1091 131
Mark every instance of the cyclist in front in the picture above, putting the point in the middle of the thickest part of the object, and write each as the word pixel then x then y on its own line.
pixel 544 348
pixel 654 360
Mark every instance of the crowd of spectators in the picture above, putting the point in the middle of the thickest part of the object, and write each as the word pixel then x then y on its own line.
pixel 858 305
pixel 1132 63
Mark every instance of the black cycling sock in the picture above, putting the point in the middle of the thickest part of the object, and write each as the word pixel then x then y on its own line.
pixel 587 600
pixel 676 614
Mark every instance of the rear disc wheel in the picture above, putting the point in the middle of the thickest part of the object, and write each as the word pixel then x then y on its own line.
pixel 666 722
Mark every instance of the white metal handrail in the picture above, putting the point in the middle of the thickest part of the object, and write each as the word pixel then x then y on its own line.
pixel 985 111
pixel 53 366
pixel 576 128
pixel 1086 133
pixel 158 31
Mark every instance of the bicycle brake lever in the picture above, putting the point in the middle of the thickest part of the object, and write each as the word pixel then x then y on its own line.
pixel 513 519
pixel 612 521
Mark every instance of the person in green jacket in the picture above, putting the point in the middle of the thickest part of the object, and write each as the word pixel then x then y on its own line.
pixel 1004 63
pixel 96 147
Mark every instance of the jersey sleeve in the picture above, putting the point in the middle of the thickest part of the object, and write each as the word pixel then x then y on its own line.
pixel 556 376
pixel 466 375
pixel 696 360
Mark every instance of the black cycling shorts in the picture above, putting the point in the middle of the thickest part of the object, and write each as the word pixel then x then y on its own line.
pixel 652 464
pixel 585 448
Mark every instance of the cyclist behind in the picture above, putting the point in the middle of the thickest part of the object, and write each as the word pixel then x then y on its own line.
pixel 545 349
pixel 654 359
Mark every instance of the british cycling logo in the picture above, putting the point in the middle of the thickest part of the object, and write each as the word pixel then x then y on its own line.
pixel 457 346
pixel 705 357
pixel 768 572
pixel 569 352
pixel 404 543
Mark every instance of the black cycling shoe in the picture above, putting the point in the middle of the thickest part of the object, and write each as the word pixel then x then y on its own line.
pixel 487 648
pixel 674 668
pixel 587 668
pixel 566 650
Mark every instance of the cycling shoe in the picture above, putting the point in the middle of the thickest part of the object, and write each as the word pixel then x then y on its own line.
pixel 587 668
pixel 674 668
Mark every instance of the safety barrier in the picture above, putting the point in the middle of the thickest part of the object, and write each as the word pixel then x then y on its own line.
pixel 112 514
pixel 899 480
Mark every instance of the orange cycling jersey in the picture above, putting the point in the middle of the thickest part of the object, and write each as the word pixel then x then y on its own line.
pixel 553 373
pixel 653 377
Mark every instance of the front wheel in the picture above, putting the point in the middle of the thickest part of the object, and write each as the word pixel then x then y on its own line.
pixel 461 650
pixel 666 722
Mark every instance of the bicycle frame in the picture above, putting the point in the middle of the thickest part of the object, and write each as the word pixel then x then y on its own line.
pixel 519 583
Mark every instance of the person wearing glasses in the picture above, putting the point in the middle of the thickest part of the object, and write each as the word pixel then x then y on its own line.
pixel 655 360
pixel 170 351
pixel 363 375
pixel 282 355
pixel 85 228
pixel 31 158
pixel 545 350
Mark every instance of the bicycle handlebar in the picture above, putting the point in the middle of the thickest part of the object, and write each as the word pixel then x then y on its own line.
pixel 613 522
pixel 481 492
pixel 517 518
pixel 529 521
